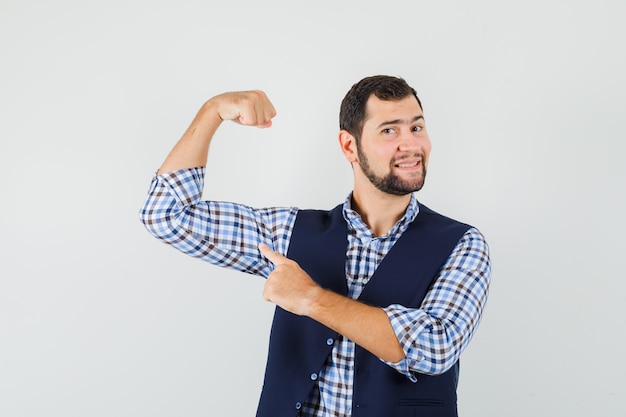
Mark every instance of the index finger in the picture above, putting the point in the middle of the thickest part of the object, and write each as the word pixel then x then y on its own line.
pixel 274 257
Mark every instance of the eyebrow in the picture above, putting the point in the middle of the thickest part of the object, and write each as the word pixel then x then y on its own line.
pixel 400 121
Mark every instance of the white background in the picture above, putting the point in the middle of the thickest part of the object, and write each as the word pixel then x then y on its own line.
pixel 525 105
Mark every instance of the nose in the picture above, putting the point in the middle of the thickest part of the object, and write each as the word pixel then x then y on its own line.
pixel 409 142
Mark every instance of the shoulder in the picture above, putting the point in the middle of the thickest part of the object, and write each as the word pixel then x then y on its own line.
pixel 472 234
pixel 437 220
pixel 318 216
pixel 468 237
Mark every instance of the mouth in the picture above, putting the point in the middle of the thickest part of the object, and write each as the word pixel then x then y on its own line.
pixel 408 163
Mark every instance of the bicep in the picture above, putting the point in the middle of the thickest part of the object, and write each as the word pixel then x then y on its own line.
pixel 230 233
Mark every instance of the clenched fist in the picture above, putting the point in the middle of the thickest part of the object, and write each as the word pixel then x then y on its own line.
pixel 250 108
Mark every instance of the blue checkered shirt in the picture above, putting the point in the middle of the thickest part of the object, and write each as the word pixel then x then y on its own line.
pixel 227 234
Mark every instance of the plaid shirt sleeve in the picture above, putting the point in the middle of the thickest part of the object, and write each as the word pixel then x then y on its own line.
pixel 221 233
pixel 434 335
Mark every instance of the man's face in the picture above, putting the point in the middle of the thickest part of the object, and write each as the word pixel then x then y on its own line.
pixel 394 147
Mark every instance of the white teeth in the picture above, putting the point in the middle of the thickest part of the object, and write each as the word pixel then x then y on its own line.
pixel 407 165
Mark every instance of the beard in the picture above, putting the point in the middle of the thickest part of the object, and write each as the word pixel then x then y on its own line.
pixel 391 183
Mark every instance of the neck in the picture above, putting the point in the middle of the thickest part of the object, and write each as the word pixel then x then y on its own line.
pixel 380 211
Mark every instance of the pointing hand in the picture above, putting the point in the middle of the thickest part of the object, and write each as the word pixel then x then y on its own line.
pixel 288 286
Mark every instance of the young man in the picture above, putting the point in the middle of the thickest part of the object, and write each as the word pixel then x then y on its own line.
pixel 377 298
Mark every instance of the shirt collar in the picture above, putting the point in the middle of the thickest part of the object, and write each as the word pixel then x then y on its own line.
pixel 356 223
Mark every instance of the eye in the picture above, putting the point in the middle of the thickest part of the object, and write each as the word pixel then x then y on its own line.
pixel 388 131
pixel 418 128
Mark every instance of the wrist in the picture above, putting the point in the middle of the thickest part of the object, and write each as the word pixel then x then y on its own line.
pixel 315 301
pixel 210 111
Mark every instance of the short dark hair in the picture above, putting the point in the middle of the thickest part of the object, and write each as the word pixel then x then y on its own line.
pixel 385 87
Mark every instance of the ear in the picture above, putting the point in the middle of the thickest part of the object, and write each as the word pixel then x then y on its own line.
pixel 347 142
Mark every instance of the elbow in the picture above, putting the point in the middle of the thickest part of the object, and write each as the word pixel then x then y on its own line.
pixel 157 223
pixel 442 367
pixel 428 366
pixel 436 360
pixel 442 347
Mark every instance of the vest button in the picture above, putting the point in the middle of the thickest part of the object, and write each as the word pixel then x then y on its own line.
pixel 330 341
pixel 298 406
pixel 313 376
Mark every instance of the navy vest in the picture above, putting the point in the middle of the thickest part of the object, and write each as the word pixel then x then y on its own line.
pixel 299 345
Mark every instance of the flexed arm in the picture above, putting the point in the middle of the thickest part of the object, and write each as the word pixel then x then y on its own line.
pixel 175 213
pixel 250 108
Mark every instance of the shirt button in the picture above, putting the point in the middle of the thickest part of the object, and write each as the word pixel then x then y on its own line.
pixel 298 406
pixel 313 376
pixel 330 341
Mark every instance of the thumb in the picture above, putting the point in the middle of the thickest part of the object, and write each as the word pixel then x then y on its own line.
pixel 274 257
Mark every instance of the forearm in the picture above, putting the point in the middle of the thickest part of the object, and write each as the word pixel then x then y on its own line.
pixel 291 288
pixel 366 325
pixel 192 148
